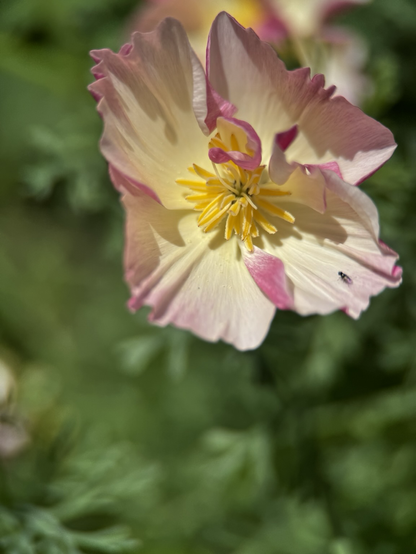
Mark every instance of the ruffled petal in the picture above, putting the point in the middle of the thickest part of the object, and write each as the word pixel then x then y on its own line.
pixel 248 73
pixel 333 130
pixel 193 280
pixel 149 94
pixel 334 260
pixel 242 144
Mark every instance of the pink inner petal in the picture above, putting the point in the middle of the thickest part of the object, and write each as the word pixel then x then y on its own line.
pixel 251 158
pixel 269 274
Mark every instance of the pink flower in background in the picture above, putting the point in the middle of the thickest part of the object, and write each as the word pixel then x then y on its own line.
pixel 333 51
pixel 239 185
pixel 307 18
pixel 340 56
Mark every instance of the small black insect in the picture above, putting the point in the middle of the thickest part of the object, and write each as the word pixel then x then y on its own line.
pixel 344 277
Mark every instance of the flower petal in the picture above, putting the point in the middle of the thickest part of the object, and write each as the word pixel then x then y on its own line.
pixel 148 93
pixel 269 274
pixel 332 166
pixel 285 139
pixel 279 169
pixel 216 107
pixel 305 184
pixel 248 73
pixel 246 152
pixel 306 188
pixel 123 185
pixel 194 280
pixel 362 204
pixel 333 130
pixel 317 248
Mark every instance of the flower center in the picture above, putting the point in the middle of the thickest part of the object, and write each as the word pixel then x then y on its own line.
pixel 236 195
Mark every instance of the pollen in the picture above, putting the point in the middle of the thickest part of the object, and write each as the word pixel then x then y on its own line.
pixel 244 199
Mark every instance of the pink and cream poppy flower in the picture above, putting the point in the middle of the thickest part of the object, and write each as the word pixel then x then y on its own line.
pixel 239 184
pixel 341 57
pixel 306 18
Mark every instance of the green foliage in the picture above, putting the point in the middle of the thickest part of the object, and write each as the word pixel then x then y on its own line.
pixel 68 158
pixel 37 531
pixel 149 440
pixel 60 509
pixel 57 495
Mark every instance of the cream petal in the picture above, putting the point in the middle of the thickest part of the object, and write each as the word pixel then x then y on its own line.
pixel 362 205
pixel 336 131
pixel 123 185
pixel 306 187
pixel 150 95
pixel 193 280
pixel 248 73
pixel 279 169
pixel 318 247
pixel 242 68
pixel 305 184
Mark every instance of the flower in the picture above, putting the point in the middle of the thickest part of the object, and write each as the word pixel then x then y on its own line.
pixel 341 56
pixel 307 18
pixel 13 435
pixel 229 218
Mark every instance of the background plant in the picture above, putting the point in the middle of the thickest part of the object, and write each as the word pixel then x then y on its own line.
pixel 149 440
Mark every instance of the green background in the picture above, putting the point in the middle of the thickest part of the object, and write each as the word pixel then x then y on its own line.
pixel 150 440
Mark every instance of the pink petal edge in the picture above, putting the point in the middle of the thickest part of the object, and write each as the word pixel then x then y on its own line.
pixel 124 184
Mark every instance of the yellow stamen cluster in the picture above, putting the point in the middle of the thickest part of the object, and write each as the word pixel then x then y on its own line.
pixel 235 194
